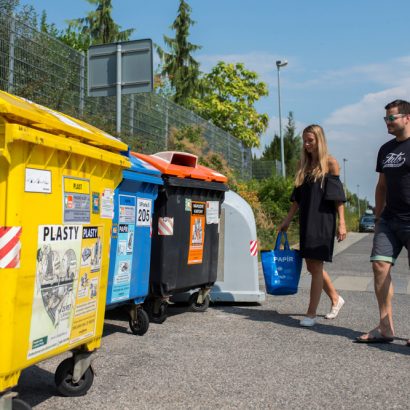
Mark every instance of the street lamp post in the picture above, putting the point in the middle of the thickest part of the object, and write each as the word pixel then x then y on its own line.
pixel 344 173
pixel 358 202
pixel 279 64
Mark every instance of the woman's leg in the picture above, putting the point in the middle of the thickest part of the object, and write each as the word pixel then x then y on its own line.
pixel 329 289
pixel 315 268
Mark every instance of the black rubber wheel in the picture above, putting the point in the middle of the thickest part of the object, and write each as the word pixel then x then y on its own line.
pixel 140 326
pixel 198 307
pixel 19 404
pixel 160 316
pixel 64 379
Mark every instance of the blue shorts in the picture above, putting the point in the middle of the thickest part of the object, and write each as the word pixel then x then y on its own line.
pixel 389 238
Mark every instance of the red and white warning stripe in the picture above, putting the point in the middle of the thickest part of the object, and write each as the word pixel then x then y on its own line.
pixel 254 248
pixel 10 247
pixel 165 226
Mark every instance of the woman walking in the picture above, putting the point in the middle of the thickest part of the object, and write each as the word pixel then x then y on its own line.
pixel 319 196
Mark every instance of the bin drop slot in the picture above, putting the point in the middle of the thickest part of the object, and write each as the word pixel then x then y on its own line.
pixel 179 158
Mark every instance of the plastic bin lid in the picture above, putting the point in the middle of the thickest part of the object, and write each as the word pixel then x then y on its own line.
pixel 182 165
pixel 22 111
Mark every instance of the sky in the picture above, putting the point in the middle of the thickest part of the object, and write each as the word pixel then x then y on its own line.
pixel 346 60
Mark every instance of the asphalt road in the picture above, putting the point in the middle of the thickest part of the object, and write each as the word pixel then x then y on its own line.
pixel 248 356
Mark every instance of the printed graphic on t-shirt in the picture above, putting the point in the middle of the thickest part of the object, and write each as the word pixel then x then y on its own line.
pixel 394 160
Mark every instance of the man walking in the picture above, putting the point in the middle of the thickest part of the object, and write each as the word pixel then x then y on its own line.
pixel 392 215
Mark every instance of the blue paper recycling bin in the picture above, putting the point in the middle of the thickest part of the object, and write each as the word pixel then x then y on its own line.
pixel 128 278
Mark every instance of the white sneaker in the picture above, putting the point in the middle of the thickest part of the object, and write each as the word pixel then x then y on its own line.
pixel 308 321
pixel 335 309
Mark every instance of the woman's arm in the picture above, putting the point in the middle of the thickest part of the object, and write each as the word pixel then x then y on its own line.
pixel 341 227
pixel 286 222
pixel 334 169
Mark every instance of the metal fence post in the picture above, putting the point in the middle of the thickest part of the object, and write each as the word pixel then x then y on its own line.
pixel 118 88
pixel 10 84
pixel 166 124
pixel 132 108
pixel 82 81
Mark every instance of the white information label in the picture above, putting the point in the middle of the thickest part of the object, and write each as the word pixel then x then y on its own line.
pixel 107 204
pixel 37 180
pixel 212 212
pixel 144 212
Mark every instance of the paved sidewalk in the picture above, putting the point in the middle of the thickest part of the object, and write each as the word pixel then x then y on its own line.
pixel 247 356
pixel 353 272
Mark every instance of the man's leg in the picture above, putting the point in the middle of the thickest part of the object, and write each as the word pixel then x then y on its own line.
pixel 383 288
pixel 386 247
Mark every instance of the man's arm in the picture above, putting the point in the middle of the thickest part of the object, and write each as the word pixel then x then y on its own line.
pixel 380 195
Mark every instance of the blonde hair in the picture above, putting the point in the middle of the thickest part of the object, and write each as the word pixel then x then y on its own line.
pixel 306 160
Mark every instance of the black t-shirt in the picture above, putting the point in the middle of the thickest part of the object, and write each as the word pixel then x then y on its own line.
pixel 393 161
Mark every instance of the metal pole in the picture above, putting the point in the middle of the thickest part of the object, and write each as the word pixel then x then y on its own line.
pixel 358 202
pixel 10 84
pixel 82 87
pixel 166 122
pixel 132 108
pixel 282 149
pixel 118 88
pixel 344 173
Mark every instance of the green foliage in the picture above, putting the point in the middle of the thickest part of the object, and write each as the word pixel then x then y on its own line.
pixel 270 202
pixel 228 95
pixel 181 69
pixel 9 6
pixel 25 13
pixel 190 139
pixel 98 27
pixel 352 214
pixel 275 194
pixel 75 38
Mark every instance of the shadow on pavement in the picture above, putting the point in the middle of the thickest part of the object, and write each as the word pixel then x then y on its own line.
pixel 287 319
pixel 36 385
pixel 121 316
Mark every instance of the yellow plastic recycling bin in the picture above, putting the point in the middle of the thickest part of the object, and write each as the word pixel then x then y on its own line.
pixel 57 180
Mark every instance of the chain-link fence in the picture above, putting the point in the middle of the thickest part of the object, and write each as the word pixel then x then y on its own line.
pixel 37 66
pixel 262 169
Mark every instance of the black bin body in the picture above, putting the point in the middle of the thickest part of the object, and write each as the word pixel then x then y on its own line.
pixel 170 271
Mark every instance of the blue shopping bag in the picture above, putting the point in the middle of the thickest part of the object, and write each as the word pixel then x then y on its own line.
pixel 281 268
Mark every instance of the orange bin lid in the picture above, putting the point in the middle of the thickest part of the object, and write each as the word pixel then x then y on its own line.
pixel 182 165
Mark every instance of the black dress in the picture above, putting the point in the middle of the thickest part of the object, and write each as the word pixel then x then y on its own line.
pixel 317 211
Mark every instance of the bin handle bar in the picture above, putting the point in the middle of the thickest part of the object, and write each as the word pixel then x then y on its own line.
pixel 18 132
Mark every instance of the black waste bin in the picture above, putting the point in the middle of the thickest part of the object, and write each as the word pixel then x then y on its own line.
pixel 185 231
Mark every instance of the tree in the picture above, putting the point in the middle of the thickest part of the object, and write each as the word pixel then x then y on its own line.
pixel 227 99
pixel 179 66
pixel 98 27
pixel 292 145
pixel 49 28
pixel 271 152
pixel 9 6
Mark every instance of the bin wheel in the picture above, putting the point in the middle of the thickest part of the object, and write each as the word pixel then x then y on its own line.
pixel 18 404
pixel 139 326
pixel 64 379
pixel 198 307
pixel 160 316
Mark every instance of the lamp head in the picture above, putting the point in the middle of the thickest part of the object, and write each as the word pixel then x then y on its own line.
pixel 281 63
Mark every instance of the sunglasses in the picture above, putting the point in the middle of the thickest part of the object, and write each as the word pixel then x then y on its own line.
pixel 393 117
